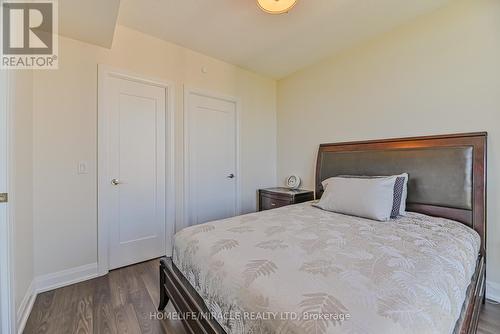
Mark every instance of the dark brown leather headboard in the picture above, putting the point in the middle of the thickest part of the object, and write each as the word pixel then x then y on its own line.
pixel 447 173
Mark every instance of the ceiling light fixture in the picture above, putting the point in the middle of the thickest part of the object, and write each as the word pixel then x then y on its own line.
pixel 276 6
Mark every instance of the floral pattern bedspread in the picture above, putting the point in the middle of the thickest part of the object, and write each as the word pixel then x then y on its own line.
pixel 300 269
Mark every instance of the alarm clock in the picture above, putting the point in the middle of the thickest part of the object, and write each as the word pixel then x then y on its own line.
pixel 293 182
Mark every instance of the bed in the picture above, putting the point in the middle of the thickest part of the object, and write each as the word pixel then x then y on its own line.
pixel 299 269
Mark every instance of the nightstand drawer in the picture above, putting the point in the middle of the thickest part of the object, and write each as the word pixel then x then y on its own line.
pixel 272 198
pixel 268 203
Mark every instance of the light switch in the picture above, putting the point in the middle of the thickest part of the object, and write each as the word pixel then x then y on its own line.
pixel 83 167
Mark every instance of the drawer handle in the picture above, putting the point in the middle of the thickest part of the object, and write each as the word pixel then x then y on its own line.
pixel 273 204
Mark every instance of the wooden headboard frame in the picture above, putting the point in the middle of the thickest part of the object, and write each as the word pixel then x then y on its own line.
pixel 475 218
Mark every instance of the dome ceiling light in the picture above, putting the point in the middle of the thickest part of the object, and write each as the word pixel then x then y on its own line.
pixel 276 6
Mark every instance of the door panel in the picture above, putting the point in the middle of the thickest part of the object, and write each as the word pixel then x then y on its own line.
pixel 137 147
pixel 212 159
pixel 137 164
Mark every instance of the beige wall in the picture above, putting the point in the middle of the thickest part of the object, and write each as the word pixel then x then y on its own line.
pixel 65 131
pixel 21 103
pixel 439 74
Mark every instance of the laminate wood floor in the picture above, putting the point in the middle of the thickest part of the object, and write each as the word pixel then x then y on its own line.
pixel 122 302
pixel 118 303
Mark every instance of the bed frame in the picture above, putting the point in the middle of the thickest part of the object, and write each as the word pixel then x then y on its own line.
pixel 447 179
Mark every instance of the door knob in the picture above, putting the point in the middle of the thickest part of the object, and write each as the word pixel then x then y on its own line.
pixel 230 176
pixel 115 182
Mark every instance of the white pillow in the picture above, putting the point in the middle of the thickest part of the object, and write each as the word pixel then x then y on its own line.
pixel 400 191
pixel 369 198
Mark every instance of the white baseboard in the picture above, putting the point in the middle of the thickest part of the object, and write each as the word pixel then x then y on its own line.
pixel 66 277
pixel 24 310
pixel 50 282
pixel 493 291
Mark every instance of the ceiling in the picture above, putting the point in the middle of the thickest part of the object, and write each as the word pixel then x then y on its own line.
pixel 238 32
pixel 91 21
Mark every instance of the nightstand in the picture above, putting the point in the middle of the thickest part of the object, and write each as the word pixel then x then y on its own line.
pixel 272 198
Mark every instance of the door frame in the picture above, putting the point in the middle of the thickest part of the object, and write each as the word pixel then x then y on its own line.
pixel 7 304
pixel 105 72
pixel 201 92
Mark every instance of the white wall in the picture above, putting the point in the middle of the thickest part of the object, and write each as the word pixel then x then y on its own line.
pixel 439 74
pixel 65 131
pixel 21 125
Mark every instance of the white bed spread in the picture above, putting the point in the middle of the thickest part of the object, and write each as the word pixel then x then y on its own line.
pixel 299 269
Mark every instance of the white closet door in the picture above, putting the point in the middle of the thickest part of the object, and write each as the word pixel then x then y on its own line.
pixel 211 151
pixel 6 300
pixel 136 170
